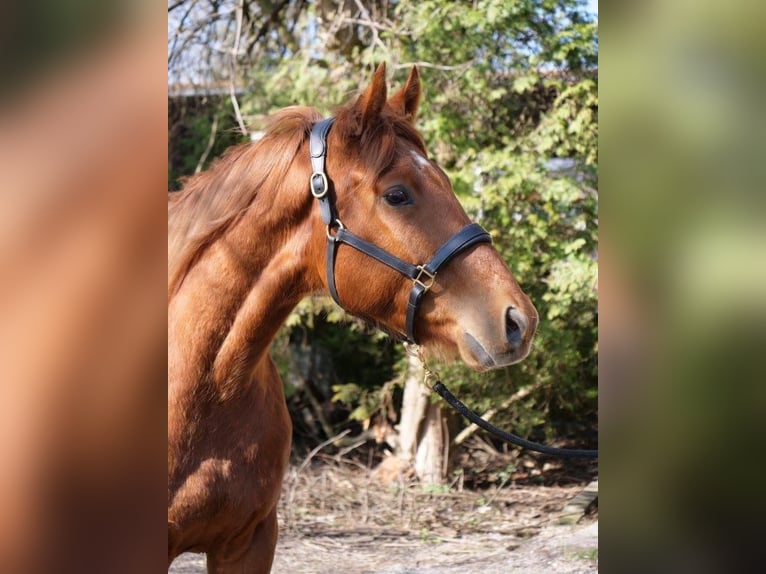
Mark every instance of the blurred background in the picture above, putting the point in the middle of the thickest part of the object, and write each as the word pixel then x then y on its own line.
pixel 82 269
pixel 682 276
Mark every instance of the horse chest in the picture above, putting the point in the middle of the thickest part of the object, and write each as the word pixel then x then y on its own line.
pixel 229 465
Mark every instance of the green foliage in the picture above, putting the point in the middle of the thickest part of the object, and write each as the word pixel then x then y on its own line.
pixel 357 366
pixel 535 90
pixel 509 87
pixel 191 121
pixel 529 95
pixel 590 555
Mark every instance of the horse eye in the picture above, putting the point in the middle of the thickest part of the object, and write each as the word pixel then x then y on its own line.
pixel 397 196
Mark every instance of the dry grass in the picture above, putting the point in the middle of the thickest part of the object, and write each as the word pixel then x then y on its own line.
pixel 336 518
pixel 333 496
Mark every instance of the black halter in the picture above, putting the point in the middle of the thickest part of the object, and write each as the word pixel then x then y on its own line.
pixel 423 276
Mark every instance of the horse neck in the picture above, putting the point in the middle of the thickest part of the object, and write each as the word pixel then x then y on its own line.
pixel 234 300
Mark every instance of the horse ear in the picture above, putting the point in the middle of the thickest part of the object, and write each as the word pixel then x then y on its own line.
pixel 406 101
pixel 371 102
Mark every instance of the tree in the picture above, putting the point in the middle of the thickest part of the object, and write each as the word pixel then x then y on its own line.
pixel 424 432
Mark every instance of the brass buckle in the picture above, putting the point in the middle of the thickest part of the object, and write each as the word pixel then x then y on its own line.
pixel 430 278
pixel 325 186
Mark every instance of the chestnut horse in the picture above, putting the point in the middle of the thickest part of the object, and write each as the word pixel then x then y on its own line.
pixel 247 240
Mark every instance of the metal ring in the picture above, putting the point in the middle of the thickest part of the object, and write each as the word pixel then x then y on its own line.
pixel 431 277
pixel 329 227
pixel 325 185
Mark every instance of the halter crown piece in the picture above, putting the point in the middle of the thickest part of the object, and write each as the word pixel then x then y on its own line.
pixel 422 276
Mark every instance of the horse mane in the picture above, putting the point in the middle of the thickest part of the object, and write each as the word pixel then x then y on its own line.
pixel 212 201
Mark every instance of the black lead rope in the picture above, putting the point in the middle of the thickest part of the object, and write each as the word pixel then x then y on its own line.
pixel 455 403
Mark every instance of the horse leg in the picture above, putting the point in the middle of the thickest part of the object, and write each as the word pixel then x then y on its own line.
pixel 256 559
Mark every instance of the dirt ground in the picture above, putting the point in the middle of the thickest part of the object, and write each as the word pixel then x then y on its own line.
pixel 337 518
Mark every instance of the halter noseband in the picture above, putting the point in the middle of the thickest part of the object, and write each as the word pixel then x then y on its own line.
pixel 423 276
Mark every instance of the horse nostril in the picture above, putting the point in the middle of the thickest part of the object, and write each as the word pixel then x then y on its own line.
pixel 515 325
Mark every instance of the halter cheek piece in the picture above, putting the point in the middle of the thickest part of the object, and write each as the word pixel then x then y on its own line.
pixel 422 276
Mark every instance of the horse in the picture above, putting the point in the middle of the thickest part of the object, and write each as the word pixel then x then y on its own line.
pixel 344 206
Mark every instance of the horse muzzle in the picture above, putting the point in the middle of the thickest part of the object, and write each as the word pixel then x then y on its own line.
pixel 499 347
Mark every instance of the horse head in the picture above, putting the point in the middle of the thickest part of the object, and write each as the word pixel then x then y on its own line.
pixel 385 191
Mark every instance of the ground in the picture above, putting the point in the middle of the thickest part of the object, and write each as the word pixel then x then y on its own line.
pixel 337 518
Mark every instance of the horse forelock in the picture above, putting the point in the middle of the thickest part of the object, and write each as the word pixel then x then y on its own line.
pixel 379 143
pixel 213 200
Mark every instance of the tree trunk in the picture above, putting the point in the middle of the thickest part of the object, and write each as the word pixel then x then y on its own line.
pixel 424 437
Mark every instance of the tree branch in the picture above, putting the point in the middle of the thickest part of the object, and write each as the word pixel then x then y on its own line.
pixel 517 396
pixel 210 143
pixel 233 78
pixel 175 5
pixel 319 447
pixel 266 25
pixel 369 22
pixel 462 66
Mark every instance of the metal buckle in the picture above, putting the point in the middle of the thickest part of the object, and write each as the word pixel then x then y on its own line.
pixel 430 281
pixel 325 186
pixel 329 227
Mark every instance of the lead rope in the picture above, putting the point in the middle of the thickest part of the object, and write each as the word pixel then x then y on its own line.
pixel 461 408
